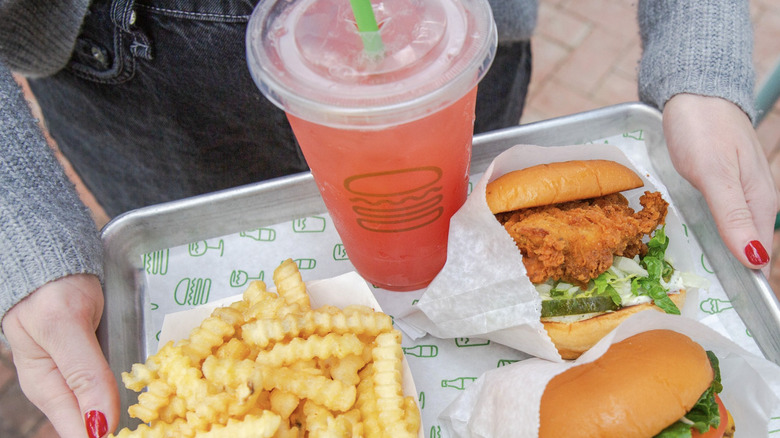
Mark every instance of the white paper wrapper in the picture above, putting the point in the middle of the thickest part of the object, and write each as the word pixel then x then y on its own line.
pixel 483 290
pixel 340 291
pixel 504 402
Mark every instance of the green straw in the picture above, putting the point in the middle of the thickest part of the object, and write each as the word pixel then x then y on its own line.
pixel 367 27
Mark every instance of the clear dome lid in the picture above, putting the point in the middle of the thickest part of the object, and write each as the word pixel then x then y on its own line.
pixel 308 58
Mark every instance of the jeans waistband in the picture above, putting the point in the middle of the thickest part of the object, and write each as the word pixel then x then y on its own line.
pixel 199 10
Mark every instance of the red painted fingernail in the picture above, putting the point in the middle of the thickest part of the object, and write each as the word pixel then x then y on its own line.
pixel 97 426
pixel 756 253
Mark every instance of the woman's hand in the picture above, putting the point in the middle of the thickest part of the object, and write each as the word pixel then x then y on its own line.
pixel 59 362
pixel 714 146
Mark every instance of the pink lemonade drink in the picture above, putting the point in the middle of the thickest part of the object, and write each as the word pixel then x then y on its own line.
pixel 387 135
pixel 392 212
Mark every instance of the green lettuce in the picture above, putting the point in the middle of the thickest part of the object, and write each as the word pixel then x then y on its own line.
pixel 704 414
pixel 609 283
pixel 657 269
pixel 649 277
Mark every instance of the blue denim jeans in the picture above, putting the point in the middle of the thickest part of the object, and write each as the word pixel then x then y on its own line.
pixel 157 103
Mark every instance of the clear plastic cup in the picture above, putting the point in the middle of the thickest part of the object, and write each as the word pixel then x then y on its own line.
pixel 387 136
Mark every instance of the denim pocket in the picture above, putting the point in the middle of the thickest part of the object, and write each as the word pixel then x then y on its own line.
pixel 108 43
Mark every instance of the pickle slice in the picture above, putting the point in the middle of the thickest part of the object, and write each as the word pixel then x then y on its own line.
pixel 577 306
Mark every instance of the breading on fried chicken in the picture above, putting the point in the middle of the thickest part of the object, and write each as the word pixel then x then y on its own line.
pixel 575 241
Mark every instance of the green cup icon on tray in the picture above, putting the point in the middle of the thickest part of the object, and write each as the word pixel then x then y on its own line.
pixel 239 278
pixel 339 252
pixel 260 234
pixel 306 264
pixel 471 342
pixel 311 224
pixel 197 249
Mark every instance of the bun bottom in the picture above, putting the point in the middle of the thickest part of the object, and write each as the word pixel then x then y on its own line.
pixel 574 338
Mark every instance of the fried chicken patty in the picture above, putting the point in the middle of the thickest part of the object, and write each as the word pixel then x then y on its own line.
pixel 575 241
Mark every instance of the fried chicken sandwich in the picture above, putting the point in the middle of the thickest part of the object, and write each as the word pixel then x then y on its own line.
pixel 593 259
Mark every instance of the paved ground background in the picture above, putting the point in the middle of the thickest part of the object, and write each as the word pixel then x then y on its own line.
pixel 585 57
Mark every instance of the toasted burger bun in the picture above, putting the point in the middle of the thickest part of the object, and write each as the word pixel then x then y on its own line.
pixel 574 338
pixel 553 183
pixel 637 388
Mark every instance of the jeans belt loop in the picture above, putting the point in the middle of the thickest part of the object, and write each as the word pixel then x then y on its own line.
pixel 123 16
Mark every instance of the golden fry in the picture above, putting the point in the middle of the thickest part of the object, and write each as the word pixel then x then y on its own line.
pixel 284 403
pixel 298 349
pixel 270 306
pixel 212 332
pixel 388 384
pixel 366 403
pixel 290 285
pixel 234 349
pixel 143 431
pixel 255 292
pixel 327 319
pixel 151 402
pixel 330 393
pixel 346 369
pixel 140 375
pixel 264 426
pixel 227 374
pixel 287 431
pixel 320 422
pixel 412 415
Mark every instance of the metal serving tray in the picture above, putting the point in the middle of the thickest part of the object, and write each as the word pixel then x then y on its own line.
pixel 128 237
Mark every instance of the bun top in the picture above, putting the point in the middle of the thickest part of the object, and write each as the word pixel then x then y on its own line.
pixel 547 184
pixel 637 388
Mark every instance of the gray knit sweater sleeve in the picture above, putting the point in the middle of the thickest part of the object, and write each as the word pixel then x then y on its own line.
pixel 38 36
pixel 45 231
pixel 703 47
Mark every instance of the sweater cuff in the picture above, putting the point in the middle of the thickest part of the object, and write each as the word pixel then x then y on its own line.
pixel 47 232
pixel 38 36
pixel 703 47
